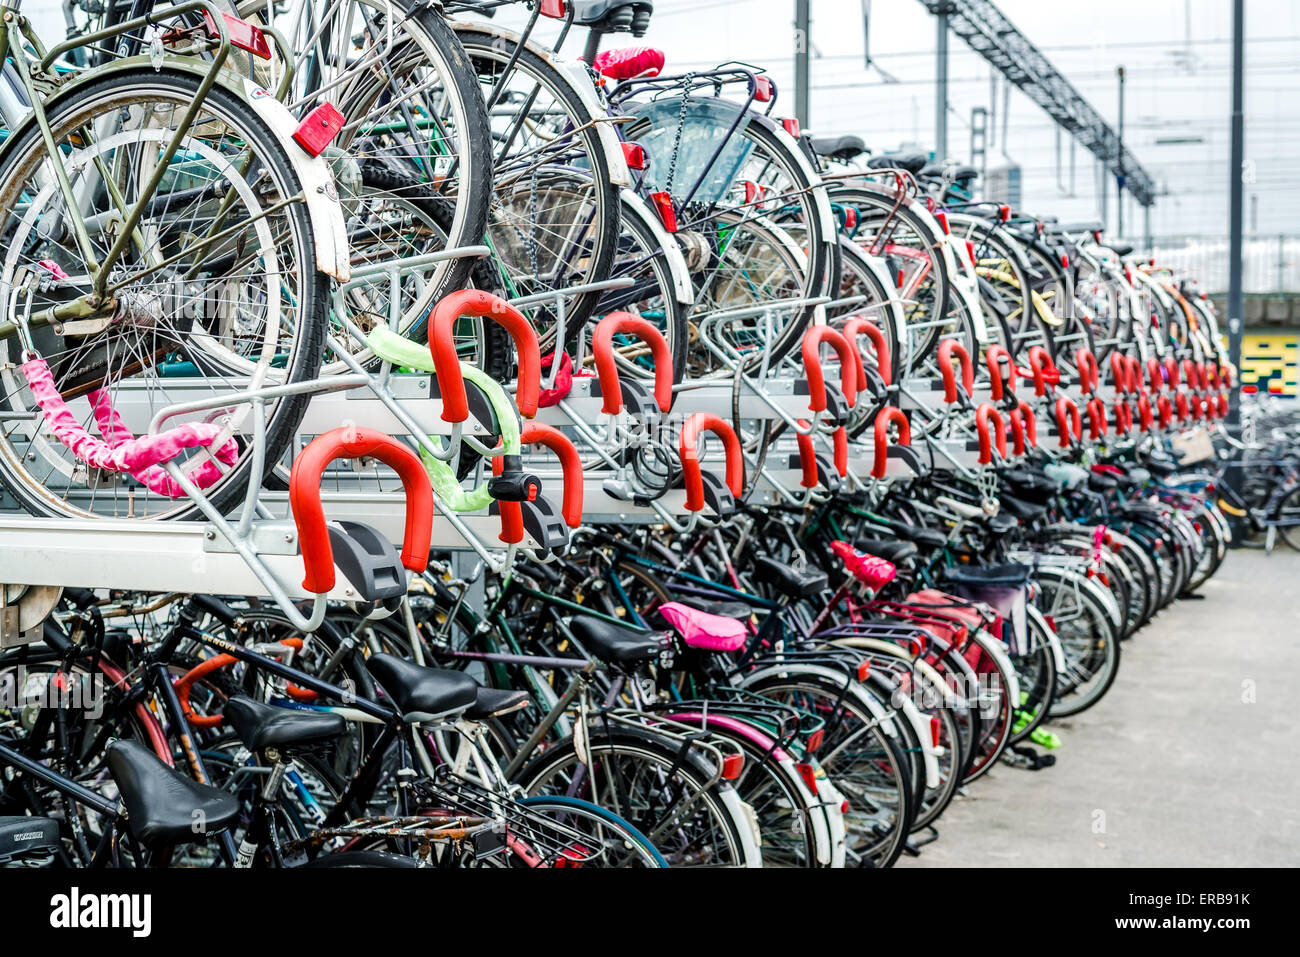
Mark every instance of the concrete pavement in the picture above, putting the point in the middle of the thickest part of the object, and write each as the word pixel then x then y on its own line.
pixel 1192 759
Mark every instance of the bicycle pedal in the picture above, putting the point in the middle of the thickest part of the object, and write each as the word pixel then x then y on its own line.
pixel 1028 758
pixel 1045 739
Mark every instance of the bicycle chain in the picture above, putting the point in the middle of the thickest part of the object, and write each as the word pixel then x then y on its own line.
pixel 677 138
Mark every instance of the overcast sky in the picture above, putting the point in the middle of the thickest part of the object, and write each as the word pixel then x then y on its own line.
pixel 1176 52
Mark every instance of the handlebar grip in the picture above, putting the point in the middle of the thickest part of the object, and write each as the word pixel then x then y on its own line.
pixel 1068 421
pixel 690 456
pixel 851 371
pixel 446 363
pixel 602 346
pixel 1001 386
pixel 884 417
pixel 865 327
pixel 999 437
pixel 538 433
pixel 309 514
pixel 947 349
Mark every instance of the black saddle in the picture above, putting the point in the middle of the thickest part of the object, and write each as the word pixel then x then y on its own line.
pixel 1023 511
pixel 420 693
pixel 619 13
pixel 1161 466
pixel 266 726
pixel 788 580
pixel 616 644
pixel 1001 523
pixel 1101 482
pixel 890 551
pixel 27 837
pixel 492 703
pixel 162 805
pixel 927 537
pixel 912 162
pixel 839 147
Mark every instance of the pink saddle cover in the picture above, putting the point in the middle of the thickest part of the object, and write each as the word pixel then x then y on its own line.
pixel 629 63
pixel 699 629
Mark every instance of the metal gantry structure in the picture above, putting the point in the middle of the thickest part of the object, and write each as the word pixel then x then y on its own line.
pixel 988 32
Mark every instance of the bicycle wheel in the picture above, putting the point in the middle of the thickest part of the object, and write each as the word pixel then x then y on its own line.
pixel 653 294
pixel 623 845
pixel 554 216
pixel 647 781
pixel 196 306
pixel 1087 638
pixel 913 251
pixel 396 71
pixel 741 267
pixel 867 765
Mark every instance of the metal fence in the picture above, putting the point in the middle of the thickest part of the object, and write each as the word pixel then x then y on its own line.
pixel 1270 264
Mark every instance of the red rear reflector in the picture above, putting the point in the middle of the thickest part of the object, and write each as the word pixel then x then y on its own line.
pixel 791 126
pixel 815 741
pixel 1004 213
pixel 664 207
pixel 1065 261
pixel 942 217
pixel 762 89
pixel 732 765
pixel 970 251
pixel 242 34
pixel 864 669
pixel 634 156
pixel 901 279
pixel 320 127
pixel 553 9
pixel 844 806
pixel 935 727
pixel 850 217
pixel 1051 622
pixel 809 776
